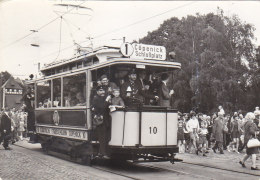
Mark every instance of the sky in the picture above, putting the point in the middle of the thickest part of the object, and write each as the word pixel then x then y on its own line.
pixel 100 23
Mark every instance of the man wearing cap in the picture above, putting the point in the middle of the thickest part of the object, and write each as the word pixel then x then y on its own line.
pixel 108 86
pixel 100 118
pixel 131 90
pixel 164 91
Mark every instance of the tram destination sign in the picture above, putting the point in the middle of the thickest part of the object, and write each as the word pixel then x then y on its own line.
pixel 62 132
pixel 143 51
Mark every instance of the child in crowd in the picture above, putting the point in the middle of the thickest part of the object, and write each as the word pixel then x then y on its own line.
pixel 180 135
pixel 21 125
pixel 116 101
pixel 186 132
pixel 203 131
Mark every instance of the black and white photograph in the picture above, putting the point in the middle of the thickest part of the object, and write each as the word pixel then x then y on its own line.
pixel 121 90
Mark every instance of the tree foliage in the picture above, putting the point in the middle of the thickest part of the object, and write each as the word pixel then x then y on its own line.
pixel 4 75
pixel 219 61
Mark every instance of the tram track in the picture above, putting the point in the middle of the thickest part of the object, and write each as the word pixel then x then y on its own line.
pixel 117 170
pixel 127 164
pixel 219 168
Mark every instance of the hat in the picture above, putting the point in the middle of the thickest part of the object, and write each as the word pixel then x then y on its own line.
pixel 116 89
pixel 133 71
pixel 103 76
pixel 192 113
pixel 100 87
pixel 164 76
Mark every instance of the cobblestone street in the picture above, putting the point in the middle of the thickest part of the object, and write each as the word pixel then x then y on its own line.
pixel 28 161
pixel 19 164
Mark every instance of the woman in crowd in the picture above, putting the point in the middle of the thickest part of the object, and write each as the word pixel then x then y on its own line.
pixel 250 131
pixel 235 134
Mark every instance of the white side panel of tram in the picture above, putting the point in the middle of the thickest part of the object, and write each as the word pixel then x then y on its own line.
pixel 153 131
pixel 125 130
pixel 172 128
pixel 124 133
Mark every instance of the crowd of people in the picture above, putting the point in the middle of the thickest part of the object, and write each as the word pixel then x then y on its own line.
pixel 16 130
pixel 198 133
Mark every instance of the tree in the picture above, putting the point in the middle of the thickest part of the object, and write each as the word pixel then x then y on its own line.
pixel 4 75
pixel 216 53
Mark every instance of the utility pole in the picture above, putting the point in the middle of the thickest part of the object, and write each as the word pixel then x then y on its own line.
pixel 1 90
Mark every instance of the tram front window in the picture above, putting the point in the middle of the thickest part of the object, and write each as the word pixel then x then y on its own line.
pixel 74 90
pixel 44 94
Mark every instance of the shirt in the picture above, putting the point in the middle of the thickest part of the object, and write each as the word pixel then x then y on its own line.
pixel 117 101
pixel 192 124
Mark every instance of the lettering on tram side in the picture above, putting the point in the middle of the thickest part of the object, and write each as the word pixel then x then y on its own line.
pixel 57 131
pixel 70 133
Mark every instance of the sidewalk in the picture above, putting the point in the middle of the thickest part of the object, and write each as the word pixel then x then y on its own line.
pixel 26 144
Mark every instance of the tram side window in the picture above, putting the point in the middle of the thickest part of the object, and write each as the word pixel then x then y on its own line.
pixel 44 94
pixel 74 90
pixel 56 93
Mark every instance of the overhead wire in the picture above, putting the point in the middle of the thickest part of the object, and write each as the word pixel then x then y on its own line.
pixel 117 29
pixel 37 30
pixel 60 38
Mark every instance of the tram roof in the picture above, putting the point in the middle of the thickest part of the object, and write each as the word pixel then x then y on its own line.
pixel 104 56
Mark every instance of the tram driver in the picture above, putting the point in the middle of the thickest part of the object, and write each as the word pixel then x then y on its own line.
pixel 100 118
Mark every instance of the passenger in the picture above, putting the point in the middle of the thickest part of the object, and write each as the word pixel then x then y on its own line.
pixel 56 102
pixel 81 101
pixel 164 91
pixel 67 101
pixel 145 88
pixel 28 97
pixel 109 86
pixel 117 100
pixel 154 88
pixel 100 118
pixel 131 90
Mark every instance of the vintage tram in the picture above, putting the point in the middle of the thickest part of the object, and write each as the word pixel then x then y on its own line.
pixel 63 121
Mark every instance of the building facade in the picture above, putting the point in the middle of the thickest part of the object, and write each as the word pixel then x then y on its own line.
pixel 11 94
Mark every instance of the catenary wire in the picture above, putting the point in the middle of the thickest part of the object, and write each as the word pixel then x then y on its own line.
pixel 117 29
pixel 60 38
pixel 43 26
